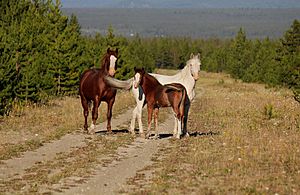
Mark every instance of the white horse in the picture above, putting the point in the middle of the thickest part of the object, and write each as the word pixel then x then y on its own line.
pixel 187 77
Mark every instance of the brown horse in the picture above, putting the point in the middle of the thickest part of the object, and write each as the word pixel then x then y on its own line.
pixel 93 88
pixel 157 95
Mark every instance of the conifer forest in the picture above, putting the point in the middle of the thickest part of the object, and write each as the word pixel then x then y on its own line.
pixel 43 53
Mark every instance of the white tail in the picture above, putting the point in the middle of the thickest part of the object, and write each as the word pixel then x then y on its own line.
pixel 118 83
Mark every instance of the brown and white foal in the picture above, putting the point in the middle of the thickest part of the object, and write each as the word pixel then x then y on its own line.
pixel 157 95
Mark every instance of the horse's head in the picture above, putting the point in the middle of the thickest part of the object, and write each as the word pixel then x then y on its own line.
pixel 194 64
pixel 110 60
pixel 139 73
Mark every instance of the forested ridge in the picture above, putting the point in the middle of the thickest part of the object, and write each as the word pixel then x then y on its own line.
pixel 42 54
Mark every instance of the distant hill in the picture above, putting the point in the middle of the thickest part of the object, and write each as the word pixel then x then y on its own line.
pixel 195 23
pixel 181 3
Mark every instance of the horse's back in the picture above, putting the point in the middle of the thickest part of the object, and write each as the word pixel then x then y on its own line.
pixel 184 79
pixel 175 86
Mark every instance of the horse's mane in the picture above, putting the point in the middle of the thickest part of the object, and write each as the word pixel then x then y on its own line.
pixel 105 62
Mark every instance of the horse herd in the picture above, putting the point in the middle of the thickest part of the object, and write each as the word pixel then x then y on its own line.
pixel 155 90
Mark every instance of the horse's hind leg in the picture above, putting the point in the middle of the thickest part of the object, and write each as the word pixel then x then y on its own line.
pixel 150 110
pixel 175 126
pixel 85 107
pixel 185 118
pixel 178 121
pixel 179 129
pixel 95 113
pixel 110 104
pixel 156 122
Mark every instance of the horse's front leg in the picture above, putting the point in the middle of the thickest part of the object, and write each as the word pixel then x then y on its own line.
pixel 137 112
pixel 139 116
pixel 110 104
pixel 150 111
pixel 156 122
pixel 132 123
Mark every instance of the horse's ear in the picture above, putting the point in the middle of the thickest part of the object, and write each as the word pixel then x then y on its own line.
pixel 108 50
pixel 198 55
pixel 134 69
pixel 192 55
pixel 117 51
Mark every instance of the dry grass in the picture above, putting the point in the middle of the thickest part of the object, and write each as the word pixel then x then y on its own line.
pixel 246 142
pixel 27 128
pixel 30 127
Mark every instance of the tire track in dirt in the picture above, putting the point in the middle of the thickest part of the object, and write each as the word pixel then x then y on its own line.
pixel 112 178
pixel 48 151
pixel 67 143
pixel 109 178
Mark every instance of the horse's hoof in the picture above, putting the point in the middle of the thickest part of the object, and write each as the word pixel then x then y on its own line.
pixel 143 135
pixel 92 127
pixel 109 132
pixel 131 132
pixel 91 132
pixel 147 135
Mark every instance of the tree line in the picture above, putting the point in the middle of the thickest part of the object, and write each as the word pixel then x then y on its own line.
pixel 42 54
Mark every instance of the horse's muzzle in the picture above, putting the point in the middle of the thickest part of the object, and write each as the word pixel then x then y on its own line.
pixel 135 85
pixel 111 72
pixel 196 77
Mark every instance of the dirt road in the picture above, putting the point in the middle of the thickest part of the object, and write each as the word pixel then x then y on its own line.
pixel 108 173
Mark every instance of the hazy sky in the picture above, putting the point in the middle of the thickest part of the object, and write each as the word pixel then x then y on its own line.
pixel 183 3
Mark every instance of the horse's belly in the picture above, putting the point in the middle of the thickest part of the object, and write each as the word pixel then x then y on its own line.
pixel 163 101
pixel 108 94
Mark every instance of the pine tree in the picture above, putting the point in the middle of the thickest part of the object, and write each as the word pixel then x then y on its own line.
pixel 289 59
pixel 41 52
pixel 135 54
pixel 241 56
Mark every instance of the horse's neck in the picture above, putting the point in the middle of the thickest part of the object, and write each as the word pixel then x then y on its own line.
pixel 149 84
pixel 186 79
pixel 185 72
pixel 105 65
pixel 184 75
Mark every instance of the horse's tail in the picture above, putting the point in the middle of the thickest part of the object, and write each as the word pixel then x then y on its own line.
pixel 118 83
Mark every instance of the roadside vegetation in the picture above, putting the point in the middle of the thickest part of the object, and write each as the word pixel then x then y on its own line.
pixel 236 147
